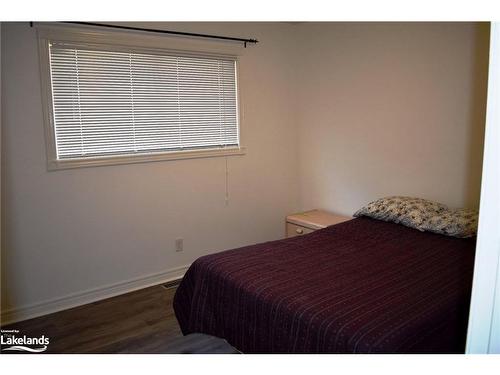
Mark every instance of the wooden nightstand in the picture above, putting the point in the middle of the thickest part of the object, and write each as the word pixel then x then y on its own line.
pixel 309 221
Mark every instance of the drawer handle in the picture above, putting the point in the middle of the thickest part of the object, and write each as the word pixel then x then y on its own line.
pixel 299 231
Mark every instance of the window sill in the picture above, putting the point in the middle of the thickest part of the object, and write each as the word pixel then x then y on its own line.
pixel 143 158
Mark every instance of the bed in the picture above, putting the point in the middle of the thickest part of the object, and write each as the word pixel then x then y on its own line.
pixel 362 286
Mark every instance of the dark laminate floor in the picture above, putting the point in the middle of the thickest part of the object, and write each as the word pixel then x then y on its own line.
pixel 136 322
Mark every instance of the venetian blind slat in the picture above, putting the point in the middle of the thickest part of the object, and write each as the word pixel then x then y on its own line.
pixel 117 103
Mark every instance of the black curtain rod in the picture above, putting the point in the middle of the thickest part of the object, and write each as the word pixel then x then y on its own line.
pixel 244 40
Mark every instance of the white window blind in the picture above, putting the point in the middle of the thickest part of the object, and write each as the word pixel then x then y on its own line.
pixel 108 102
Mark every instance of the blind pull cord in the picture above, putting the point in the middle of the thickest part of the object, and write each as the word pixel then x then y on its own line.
pixel 227 184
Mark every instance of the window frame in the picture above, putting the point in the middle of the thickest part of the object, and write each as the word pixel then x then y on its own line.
pixel 137 42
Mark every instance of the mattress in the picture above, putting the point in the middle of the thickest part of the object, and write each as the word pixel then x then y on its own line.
pixel 362 286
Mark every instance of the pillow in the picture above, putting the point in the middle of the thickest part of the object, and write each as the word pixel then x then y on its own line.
pixel 460 223
pixel 409 211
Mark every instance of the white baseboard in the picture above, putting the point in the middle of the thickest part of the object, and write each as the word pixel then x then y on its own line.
pixel 88 296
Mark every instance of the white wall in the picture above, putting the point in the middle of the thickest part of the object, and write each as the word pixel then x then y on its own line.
pixel 71 231
pixel 391 108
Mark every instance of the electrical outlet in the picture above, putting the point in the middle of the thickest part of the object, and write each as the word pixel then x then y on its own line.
pixel 179 244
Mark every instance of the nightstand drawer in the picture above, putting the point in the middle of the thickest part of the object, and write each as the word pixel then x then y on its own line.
pixel 309 221
pixel 293 230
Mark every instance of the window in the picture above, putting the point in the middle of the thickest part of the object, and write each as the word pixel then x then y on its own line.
pixel 111 104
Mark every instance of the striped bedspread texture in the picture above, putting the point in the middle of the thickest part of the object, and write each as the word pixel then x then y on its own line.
pixel 362 286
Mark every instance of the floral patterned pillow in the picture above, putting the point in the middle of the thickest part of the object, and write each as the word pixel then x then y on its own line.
pixel 409 211
pixel 457 223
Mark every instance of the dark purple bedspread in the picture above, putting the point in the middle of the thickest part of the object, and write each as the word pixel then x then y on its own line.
pixel 362 286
